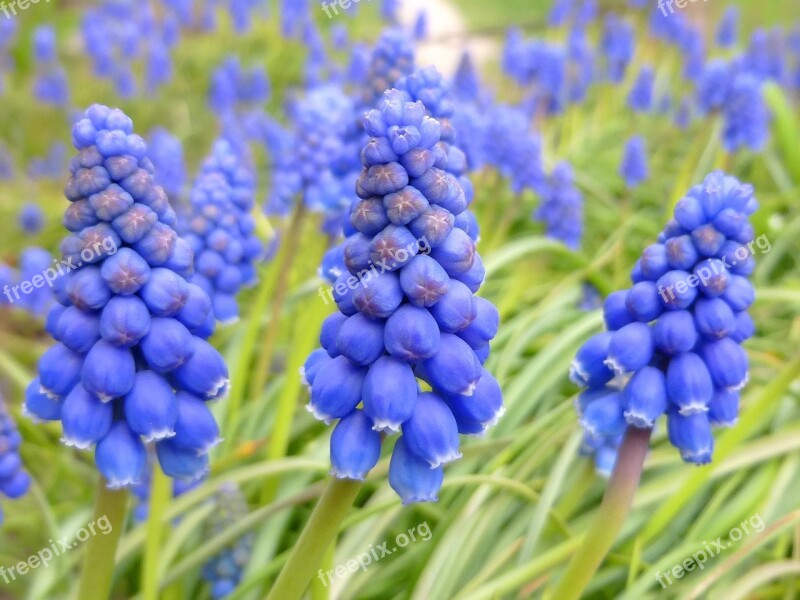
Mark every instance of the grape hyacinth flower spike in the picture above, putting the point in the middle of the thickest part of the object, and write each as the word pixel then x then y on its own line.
pixel 673 348
pixel 14 480
pixel 132 365
pixel 418 320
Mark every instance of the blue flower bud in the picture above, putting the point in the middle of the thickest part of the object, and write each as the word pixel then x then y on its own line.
pixel 739 294
pixel 39 406
pixel 406 205
pixel 59 370
pixel 80 215
pixel 615 310
pixel 604 415
pixel 681 253
pixel 165 293
pixel 630 348
pixel 393 247
pixel 337 389
pixel 108 371
pixel 727 362
pixel 424 281
pixel 355 447
pixel 369 216
pixel 379 297
pixel 745 328
pixel 85 419
pixel 433 225
pixel 645 397
pixel 314 362
pixel 157 245
pixel 357 253
pixel 723 409
pixel 330 332
pixel 475 276
pixel 476 413
pixel 390 392
pixel 484 327
pixel 87 289
pixel 454 369
pixel 411 477
pixel 456 309
pixel 431 432
pixel 691 435
pixel 689 213
pixel 121 456
pixel 360 339
pixel 110 203
pixel 675 291
pixel 675 333
pixel 689 383
pixel 134 224
pixel 179 463
pixel 195 426
pixel 456 254
pixel 713 277
pixel 589 368
pixel 411 333
pixel 344 295
pixel 380 180
pixel 124 321
pixel 150 407
pixel 78 330
pixel 643 301
pixel 205 374
pixel 655 262
pixel 714 318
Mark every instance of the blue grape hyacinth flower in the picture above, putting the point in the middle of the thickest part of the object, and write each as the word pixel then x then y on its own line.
pixel 14 480
pixel 31 218
pixel 561 209
pixel 407 313
pixel 132 364
pixel 225 570
pixel 634 167
pixel 220 229
pixel 673 340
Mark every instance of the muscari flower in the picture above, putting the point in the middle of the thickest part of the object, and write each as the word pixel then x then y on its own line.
pixel 417 320
pixel 132 364
pixel 634 162
pixel 561 209
pixel 640 98
pixel 617 45
pixel 14 480
pixel 392 59
pixel 746 115
pixel 31 218
pixel 166 154
pixel 728 30
pixel 673 340
pixel 221 231
pixel 224 571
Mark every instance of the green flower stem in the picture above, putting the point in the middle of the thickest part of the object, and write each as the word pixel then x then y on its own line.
pixel 610 517
pixel 101 550
pixel 160 495
pixel 291 247
pixel 315 540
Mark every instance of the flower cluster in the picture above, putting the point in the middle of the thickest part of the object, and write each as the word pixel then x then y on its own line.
pixel 224 571
pixel 14 481
pixel 419 318
pixel 220 229
pixel 561 209
pixel 392 58
pixel 50 85
pixel 232 85
pixel 673 344
pixel 31 218
pixel 166 154
pixel 132 364
pixel 634 162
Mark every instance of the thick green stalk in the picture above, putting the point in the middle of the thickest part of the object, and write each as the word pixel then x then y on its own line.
pixel 101 550
pixel 610 518
pixel 315 540
pixel 160 494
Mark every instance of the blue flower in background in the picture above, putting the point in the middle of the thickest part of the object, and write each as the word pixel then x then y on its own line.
pixel 418 318
pixel 728 29
pixel 561 208
pixel 14 480
pixel 224 571
pixel 132 364
pixel 31 218
pixel 220 229
pixel 640 98
pixel 746 115
pixel 166 154
pixel 617 45
pixel 634 162
pixel 50 166
pixel 673 340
